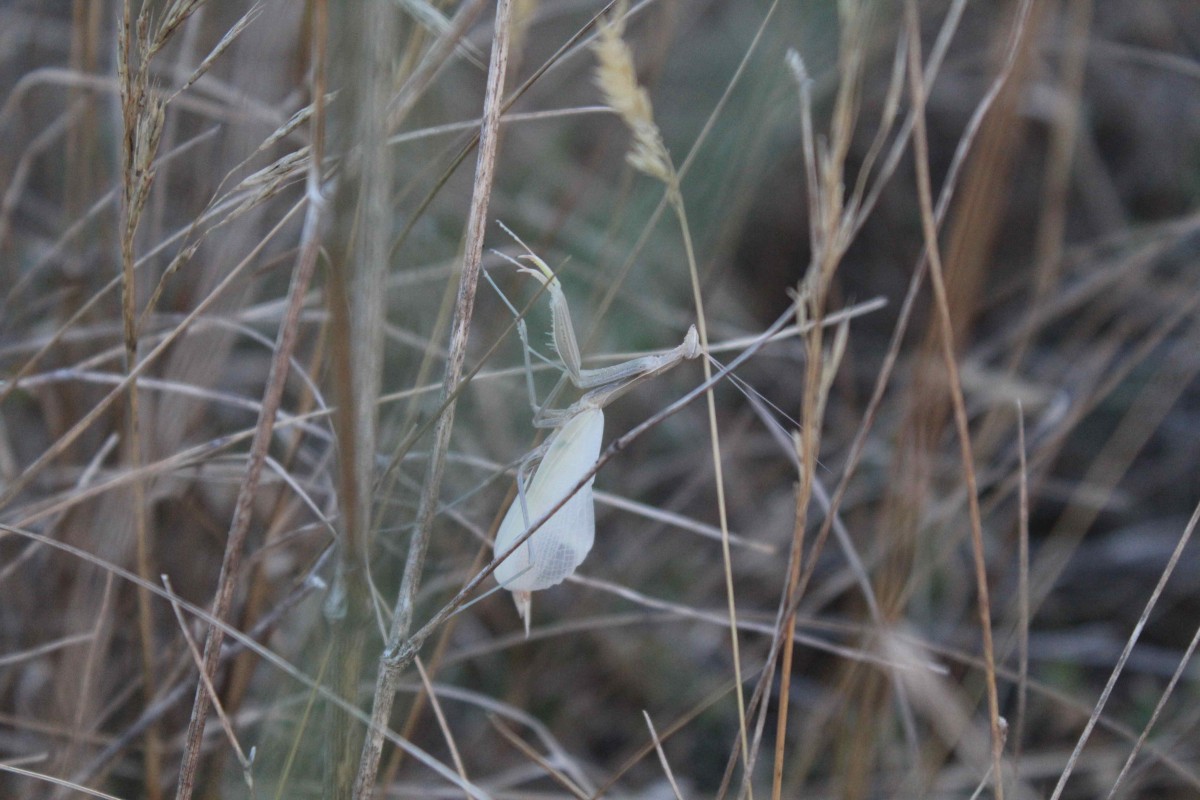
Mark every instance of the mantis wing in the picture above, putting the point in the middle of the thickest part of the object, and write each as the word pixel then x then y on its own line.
pixel 553 552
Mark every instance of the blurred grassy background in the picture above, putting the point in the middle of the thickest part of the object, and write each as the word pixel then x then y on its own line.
pixel 1069 251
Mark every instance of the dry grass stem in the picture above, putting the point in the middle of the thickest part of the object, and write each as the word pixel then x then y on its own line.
pixel 950 356
pixel 1119 667
pixel 617 79
pixel 441 719
pixel 937 261
pixel 662 756
pixel 389 663
pixel 214 698
pixel 279 663
pixel 559 777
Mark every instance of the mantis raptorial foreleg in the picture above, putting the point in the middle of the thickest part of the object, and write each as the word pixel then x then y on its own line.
pixel 523 334
pixel 608 383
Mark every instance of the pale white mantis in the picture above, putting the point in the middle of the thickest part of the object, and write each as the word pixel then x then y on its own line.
pixel 558 546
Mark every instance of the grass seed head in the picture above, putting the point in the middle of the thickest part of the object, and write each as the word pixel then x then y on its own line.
pixel 617 80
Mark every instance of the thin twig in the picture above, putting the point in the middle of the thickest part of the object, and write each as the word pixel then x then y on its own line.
pixel 533 755
pixel 825 215
pixel 142 118
pixel 1184 662
pixel 662 756
pixel 266 623
pixel 306 262
pixel 441 720
pixel 363 36
pixel 1022 596
pixel 188 639
pixel 950 358
pixel 617 79
pixel 16 486
pixel 858 446
pixel 718 470
pixel 75 787
pixel 857 449
pixel 679 724
pixel 389 668
pixel 247 641
pixel 1169 570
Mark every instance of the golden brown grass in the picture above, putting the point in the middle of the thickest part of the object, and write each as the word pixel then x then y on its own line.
pixel 930 537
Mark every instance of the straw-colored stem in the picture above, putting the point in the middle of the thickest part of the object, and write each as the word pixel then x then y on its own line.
pixel 950 360
pixel 142 119
pixel 676 201
pixel 388 678
pixel 306 262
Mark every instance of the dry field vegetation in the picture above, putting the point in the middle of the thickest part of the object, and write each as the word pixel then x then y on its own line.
pixel 261 413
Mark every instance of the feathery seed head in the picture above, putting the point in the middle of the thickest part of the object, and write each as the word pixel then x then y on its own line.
pixel 617 80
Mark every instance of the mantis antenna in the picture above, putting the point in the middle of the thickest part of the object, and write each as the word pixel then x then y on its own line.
pixel 558 547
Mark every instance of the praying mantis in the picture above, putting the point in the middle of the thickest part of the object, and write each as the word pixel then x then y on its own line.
pixel 554 551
